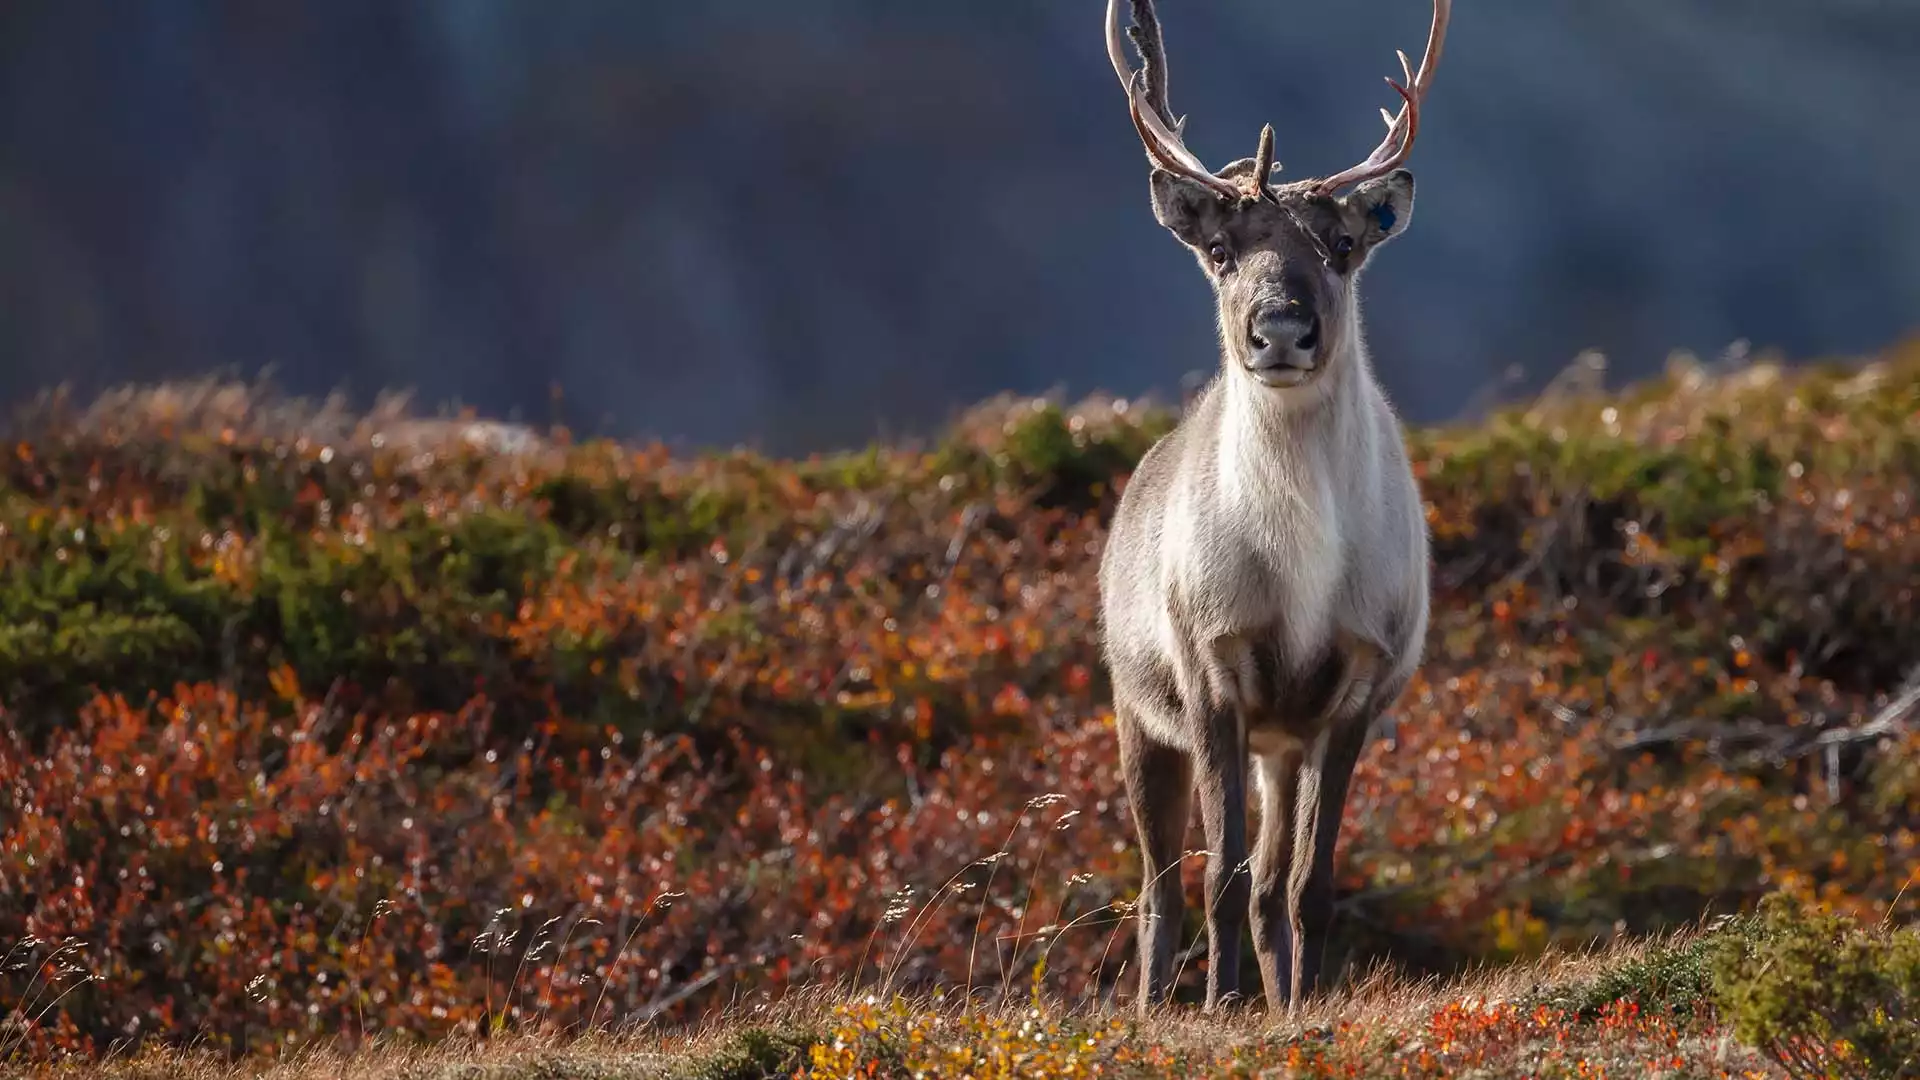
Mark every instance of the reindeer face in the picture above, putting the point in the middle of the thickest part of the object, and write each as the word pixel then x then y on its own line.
pixel 1282 260
pixel 1283 264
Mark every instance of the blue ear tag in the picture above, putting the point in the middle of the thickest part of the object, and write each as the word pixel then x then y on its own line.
pixel 1385 216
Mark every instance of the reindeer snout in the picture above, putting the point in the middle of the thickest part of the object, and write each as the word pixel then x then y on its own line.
pixel 1281 343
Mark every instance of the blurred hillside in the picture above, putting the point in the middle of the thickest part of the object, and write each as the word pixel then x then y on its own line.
pixel 309 717
pixel 806 224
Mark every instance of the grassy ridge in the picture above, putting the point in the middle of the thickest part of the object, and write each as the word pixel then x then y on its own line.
pixel 322 725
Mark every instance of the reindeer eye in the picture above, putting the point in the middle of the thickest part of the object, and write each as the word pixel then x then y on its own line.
pixel 1343 245
pixel 1217 253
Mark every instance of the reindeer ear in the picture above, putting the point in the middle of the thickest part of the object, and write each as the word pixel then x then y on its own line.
pixel 1188 209
pixel 1381 209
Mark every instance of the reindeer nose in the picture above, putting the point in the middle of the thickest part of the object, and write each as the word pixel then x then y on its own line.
pixel 1282 341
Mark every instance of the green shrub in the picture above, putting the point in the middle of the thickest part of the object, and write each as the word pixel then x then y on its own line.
pixel 748 1055
pixel 638 515
pixel 1072 460
pixel 1823 995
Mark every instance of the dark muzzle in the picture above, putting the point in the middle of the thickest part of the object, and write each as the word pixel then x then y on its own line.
pixel 1283 343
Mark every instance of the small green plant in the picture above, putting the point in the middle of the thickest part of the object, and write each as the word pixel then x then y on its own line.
pixel 1672 979
pixel 1823 995
pixel 753 1053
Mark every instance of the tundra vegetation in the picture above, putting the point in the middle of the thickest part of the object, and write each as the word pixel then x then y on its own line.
pixel 351 743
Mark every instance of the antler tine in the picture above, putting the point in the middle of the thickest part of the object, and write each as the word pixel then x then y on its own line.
pixel 1401 129
pixel 1145 100
pixel 1392 150
pixel 1262 164
pixel 1168 152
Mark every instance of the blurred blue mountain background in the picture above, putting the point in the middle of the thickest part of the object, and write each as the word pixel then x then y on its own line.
pixel 800 224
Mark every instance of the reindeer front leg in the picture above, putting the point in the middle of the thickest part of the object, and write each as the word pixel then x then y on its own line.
pixel 1221 782
pixel 1320 798
pixel 1277 769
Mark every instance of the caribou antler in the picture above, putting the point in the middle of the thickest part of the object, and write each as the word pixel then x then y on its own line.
pixel 1147 97
pixel 1152 112
pixel 1401 129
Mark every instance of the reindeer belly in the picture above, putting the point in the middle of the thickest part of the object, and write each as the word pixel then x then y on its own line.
pixel 1284 701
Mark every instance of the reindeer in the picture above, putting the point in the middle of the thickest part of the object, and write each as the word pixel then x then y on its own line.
pixel 1264 583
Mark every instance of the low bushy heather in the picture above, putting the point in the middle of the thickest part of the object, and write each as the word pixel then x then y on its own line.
pixel 351 727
